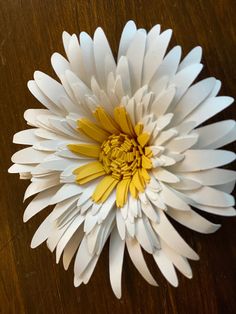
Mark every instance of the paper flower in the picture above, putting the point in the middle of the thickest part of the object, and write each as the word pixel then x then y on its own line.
pixel 118 149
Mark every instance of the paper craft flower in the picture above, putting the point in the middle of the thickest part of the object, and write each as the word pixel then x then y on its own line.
pixel 118 149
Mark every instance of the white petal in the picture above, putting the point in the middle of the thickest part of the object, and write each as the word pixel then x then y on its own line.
pixel 60 164
pixel 179 261
pixel 172 200
pixel 30 115
pixel 186 184
pixel 55 236
pixel 50 87
pixel 126 37
pixel 83 257
pixel 106 207
pixel 41 201
pixel 123 70
pixel 142 235
pixel 216 89
pixel 147 208
pixel 101 51
pixel 153 34
pixel 65 192
pixel 66 40
pixel 212 176
pixel 197 160
pixel 166 267
pixel 15 168
pixel 164 175
pixel 86 44
pixel 154 55
pixel 120 223
pixel 41 97
pixel 86 193
pixel 26 137
pixel 135 55
pixel 182 143
pixel 209 108
pixel 163 121
pixel 85 276
pixel 224 140
pixel 42 233
pixel 212 134
pixel 161 104
pixel 185 127
pixel 194 56
pixel 227 187
pixel 172 238
pixel 170 63
pixel 29 156
pixel 211 197
pixel 59 64
pixel 193 97
pixel 227 211
pixel 184 79
pixel 62 209
pixel 116 254
pixel 75 58
pixel 159 85
pixel 137 258
pixel 71 247
pixel 193 221
pixel 73 227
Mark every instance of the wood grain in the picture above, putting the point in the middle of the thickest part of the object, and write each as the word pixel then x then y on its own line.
pixel 30 280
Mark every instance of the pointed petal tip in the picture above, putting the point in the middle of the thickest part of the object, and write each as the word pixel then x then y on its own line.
pixel 9 169
pixel 65 33
pixel 54 56
pixel 25 218
pixel 38 75
pixel 118 296
pixel 175 283
pixel 97 31
pixel 130 23
pixel 195 257
pixel 154 283
pixel 29 83
pixel 217 227
pixel 33 244
pixel 66 266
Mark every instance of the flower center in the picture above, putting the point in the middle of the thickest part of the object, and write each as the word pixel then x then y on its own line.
pixel 122 155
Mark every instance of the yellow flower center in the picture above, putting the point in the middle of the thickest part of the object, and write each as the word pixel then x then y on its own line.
pixel 122 155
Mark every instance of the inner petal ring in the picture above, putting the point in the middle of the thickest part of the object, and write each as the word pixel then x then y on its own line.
pixel 123 156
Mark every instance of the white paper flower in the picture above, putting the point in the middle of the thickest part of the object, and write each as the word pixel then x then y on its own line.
pixel 118 149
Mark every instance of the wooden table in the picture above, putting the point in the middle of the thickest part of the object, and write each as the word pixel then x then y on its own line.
pixel 30 280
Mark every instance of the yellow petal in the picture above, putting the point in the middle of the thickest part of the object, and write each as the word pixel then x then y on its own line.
pixel 138 128
pixel 122 192
pixel 89 150
pixel 123 120
pixel 143 139
pixel 141 178
pixel 148 152
pixel 137 181
pixel 146 162
pixel 133 190
pixel 92 130
pixel 89 178
pixel 89 172
pixel 104 189
pixel 106 121
pixel 145 175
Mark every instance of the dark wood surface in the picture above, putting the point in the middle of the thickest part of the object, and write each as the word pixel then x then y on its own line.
pixel 30 280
